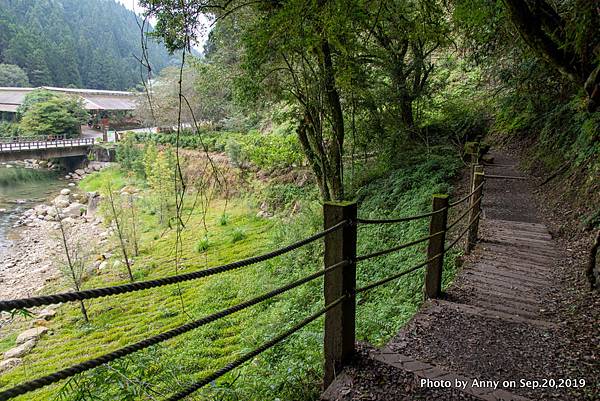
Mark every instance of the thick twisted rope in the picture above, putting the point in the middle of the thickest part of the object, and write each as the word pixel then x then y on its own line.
pixel 397 275
pixel 475 219
pixel 458 202
pixel 245 358
pixel 462 216
pixel 400 220
pixel 93 363
pixel 397 248
pixel 144 285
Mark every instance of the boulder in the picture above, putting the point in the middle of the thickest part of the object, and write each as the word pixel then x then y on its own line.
pixel 46 314
pixel 80 172
pixel 61 201
pixel 8 364
pixel 41 210
pixel 34 333
pixel 20 350
pixel 103 265
pixel 129 190
pixel 52 212
pixel 71 184
pixel 75 209
pixel 65 192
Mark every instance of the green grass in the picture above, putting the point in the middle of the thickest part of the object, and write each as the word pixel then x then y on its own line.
pixel 99 181
pixel 290 371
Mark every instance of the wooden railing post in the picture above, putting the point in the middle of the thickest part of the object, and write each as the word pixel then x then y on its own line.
pixel 433 275
pixel 475 203
pixel 340 320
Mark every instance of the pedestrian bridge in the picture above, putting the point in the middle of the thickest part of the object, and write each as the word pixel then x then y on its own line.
pixel 47 147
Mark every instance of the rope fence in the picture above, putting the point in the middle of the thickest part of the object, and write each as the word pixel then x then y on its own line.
pixel 339 274
pixel 240 361
pixel 144 285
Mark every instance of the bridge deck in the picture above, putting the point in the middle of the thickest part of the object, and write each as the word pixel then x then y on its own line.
pixel 495 325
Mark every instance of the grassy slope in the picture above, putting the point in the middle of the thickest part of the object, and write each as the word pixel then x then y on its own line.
pixel 291 371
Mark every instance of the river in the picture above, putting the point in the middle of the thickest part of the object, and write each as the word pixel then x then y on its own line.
pixel 21 189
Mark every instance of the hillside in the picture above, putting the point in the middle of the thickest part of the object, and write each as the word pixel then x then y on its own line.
pixel 81 43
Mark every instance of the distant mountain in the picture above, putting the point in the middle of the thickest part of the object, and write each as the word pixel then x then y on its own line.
pixel 77 43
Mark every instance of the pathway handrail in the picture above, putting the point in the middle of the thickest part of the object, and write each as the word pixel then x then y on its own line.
pixel 144 285
pixel 395 276
pixel 463 214
pixel 257 351
pixel 73 370
pixel 399 220
pixel 398 247
pixel 458 202
pixel 33 145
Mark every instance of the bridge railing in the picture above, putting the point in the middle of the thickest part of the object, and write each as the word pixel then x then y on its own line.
pixel 45 144
pixel 340 260
pixel 34 138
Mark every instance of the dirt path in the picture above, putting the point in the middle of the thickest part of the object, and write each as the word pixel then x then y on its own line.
pixel 505 326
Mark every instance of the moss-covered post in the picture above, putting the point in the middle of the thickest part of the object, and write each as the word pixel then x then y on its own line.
pixel 433 276
pixel 475 204
pixel 340 320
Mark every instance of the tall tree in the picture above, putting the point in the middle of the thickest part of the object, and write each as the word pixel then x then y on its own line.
pixel 13 76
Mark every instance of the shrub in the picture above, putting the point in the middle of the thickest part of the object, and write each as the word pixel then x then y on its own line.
pixel 238 235
pixel 202 245
pixel 224 219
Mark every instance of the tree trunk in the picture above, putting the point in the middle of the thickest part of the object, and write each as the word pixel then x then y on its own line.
pixel 530 25
pixel 334 175
pixel 315 160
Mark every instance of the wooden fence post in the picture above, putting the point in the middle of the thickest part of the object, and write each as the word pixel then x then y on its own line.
pixel 433 275
pixel 340 320
pixel 475 203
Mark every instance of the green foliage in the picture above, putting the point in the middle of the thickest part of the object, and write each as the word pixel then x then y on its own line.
pixel 34 97
pixel 266 151
pixel 202 245
pixel 224 219
pixel 57 116
pixel 159 167
pixel 99 181
pixel 131 156
pixel 8 129
pixel 237 235
pixel 13 76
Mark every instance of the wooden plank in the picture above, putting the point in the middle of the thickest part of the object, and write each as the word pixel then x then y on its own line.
pixel 506 294
pixel 484 269
pixel 479 311
pixel 505 280
pixel 540 271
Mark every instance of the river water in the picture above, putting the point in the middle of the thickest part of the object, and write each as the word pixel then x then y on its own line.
pixel 21 189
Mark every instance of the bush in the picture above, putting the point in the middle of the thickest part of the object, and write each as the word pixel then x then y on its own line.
pixel 9 130
pixel 202 245
pixel 224 219
pixel 57 116
pixel 238 235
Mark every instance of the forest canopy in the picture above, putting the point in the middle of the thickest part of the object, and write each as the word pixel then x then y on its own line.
pixel 72 43
pixel 380 76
